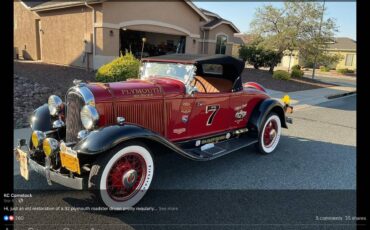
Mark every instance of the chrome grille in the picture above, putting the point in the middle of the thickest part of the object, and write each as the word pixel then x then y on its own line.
pixel 73 124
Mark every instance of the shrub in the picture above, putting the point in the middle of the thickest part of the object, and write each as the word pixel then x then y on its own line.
pixel 120 69
pixel 281 75
pixel 296 73
pixel 344 71
pixel 297 67
pixel 259 57
pixel 324 69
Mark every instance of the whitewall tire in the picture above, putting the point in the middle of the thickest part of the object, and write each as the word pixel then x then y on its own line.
pixel 121 178
pixel 269 137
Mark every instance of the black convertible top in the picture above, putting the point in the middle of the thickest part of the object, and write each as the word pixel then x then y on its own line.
pixel 220 59
pixel 232 67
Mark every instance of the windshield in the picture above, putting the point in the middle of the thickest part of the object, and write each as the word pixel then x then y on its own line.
pixel 182 72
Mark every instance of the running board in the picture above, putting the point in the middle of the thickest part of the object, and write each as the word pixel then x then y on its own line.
pixel 223 148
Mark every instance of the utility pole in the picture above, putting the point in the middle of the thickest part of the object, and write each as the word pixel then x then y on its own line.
pixel 290 58
pixel 314 62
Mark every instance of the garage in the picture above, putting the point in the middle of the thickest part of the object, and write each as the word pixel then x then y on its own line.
pixel 147 44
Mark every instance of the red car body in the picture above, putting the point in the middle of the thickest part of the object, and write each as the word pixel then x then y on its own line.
pixel 104 134
pixel 160 104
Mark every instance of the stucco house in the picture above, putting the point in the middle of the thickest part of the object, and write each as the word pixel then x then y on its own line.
pixel 91 33
pixel 346 47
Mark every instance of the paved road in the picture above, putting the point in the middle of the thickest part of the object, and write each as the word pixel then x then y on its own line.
pixel 317 152
pixel 344 81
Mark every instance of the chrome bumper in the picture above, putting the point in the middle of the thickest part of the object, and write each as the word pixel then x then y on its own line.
pixel 288 109
pixel 74 183
pixel 289 120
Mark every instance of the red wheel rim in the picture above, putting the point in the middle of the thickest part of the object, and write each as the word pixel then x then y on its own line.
pixel 270 133
pixel 126 177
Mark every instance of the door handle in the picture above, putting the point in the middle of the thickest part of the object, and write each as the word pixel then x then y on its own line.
pixel 199 103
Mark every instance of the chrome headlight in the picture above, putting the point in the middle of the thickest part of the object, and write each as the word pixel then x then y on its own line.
pixel 89 117
pixel 55 104
pixel 37 138
pixel 50 145
pixel 58 124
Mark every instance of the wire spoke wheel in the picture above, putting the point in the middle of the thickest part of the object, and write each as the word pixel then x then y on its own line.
pixel 270 134
pixel 121 178
pixel 126 176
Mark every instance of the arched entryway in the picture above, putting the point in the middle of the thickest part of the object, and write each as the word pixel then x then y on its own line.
pixel 158 38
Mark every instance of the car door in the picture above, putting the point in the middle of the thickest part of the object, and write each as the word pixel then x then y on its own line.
pixel 239 106
pixel 210 114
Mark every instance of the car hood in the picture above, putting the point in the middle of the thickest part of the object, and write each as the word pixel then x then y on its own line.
pixel 136 89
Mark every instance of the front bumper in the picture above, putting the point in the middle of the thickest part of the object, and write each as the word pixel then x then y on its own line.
pixel 289 120
pixel 51 175
pixel 288 109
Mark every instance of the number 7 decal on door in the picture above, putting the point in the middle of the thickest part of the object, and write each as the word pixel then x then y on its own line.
pixel 213 109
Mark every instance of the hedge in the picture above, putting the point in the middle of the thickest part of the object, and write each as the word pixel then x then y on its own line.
pixel 120 69
pixel 344 71
pixel 281 75
pixel 324 69
pixel 298 67
pixel 297 73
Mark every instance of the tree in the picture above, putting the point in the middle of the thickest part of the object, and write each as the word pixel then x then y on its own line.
pixel 252 55
pixel 295 26
pixel 259 57
pixel 322 59
pixel 271 59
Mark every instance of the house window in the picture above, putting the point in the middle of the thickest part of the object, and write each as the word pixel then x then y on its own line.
pixel 349 59
pixel 221 44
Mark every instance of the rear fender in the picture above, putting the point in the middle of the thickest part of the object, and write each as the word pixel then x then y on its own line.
pixel 262 110
pixel 254 85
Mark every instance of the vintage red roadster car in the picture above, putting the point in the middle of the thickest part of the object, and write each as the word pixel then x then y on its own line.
pixel 103 135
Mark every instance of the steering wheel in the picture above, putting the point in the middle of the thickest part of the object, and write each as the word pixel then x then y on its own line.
pixel 196 79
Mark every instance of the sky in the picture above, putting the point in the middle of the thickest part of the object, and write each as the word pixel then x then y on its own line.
pixel 241 14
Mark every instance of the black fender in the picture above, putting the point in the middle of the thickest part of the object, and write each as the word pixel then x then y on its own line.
pixel 262 110
pixel 106 138
pixel 41 119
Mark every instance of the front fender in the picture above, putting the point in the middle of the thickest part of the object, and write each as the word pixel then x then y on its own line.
pixel 105 138
pixel 41 119
pixel 262 110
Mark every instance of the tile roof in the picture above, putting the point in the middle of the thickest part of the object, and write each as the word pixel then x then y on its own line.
pixel 217 20
pixel 343 43
pixel 209 13
pixel 247 38
pixel 213 22
pixel 238 40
